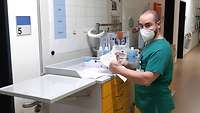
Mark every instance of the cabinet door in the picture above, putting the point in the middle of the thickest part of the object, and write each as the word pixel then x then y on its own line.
pixel 116 96
pixel 121 96
pixel 106 89
pixel 107 98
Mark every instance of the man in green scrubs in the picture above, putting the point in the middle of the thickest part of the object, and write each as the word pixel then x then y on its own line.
pixel 152 79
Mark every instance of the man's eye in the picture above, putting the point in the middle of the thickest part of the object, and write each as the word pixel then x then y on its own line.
pixel 147 25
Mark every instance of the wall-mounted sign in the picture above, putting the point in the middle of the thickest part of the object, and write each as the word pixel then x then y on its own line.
pixel 23 25
pixel 59 19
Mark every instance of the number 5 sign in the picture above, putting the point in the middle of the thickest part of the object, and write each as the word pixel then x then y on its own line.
pixel 23 25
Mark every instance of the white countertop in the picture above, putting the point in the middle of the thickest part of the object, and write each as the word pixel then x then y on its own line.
pixel 77 68
pixel 48 88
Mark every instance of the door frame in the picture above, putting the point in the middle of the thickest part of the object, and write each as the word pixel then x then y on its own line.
pixel 169 20
pixel 181 29
pixel 6 102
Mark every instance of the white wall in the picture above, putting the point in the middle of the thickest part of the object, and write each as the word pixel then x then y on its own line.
pixel 81 16
pixel 190 22
pixel 24 49
pixel 191 12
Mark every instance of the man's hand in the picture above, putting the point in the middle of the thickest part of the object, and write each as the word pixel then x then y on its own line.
pixel 123 62
pixel 115 67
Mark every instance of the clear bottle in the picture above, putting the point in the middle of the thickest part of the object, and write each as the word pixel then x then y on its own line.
pixel 106 50
pixel 100 51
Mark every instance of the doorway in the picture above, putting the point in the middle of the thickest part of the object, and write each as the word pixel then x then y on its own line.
pixel 169 20
pixel 181 29
pixel 6 102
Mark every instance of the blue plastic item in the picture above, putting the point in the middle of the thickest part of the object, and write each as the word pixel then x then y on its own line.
pixel 86 58
pixel 131 55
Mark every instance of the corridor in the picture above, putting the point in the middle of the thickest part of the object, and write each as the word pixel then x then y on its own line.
pixel 187 82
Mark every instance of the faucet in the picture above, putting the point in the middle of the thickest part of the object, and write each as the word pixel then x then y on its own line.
pixel 97 28
pixel 95 32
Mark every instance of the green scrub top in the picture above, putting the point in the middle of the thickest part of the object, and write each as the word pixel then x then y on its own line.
pixel 156 57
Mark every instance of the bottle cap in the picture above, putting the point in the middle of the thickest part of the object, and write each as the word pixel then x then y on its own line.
pixel 100 48
pixel 132 48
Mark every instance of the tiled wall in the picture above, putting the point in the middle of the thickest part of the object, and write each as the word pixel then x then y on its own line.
pixel 81 16
pixel 84 14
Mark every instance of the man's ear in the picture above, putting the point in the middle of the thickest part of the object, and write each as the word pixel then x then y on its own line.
pixel 159 24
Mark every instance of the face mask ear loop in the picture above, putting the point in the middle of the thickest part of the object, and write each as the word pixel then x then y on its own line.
pixel 158 26
pixel 155 32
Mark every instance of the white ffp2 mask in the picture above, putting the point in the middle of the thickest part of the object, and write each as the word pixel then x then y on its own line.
pixel 147 34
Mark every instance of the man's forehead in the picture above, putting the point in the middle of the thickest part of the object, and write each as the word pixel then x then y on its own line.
pixel 146 18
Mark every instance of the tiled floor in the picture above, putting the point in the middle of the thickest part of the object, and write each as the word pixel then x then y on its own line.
pixel 187 83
